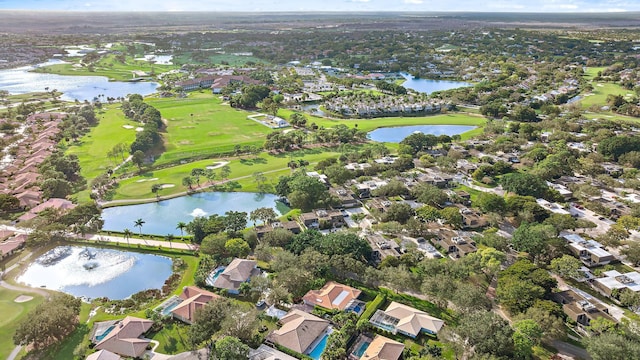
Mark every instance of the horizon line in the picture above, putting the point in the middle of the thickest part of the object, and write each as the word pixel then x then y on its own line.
pixel 572 11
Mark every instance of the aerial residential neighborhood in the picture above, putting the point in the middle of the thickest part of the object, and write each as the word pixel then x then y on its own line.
pixel 351 181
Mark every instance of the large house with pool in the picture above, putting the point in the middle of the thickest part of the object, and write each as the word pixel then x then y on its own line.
pixel 403 319
pixel 301 332
pixel 122 337
pixel 233 275
pixel 335 296
pixel 193 299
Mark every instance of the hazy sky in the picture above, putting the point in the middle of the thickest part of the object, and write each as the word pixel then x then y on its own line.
pixel 327 5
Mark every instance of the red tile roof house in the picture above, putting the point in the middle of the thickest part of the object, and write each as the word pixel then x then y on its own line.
pixel 29 198
pixel 124 338
pixel 333 296
pixel 55 203
pixel 193 299
pixel 8 247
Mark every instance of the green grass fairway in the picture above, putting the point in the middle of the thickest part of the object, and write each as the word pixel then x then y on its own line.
pixel 93 147
pixel 109 67
pixel 11 313
pixel 593 72
pixel 600 92
pixel 133 189
pixel 213 128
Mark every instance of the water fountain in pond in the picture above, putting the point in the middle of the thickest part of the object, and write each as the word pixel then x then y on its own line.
pixel 197 212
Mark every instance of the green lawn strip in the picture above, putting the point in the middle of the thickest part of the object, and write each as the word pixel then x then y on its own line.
pixel 133 188
pixel 92 148
pixel 11 314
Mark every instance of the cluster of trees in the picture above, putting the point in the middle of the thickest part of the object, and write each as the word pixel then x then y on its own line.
pixel 78 122
pixel 232 223
pixel 391 87
pixel 149 138
pixel 305 192
pixel 136 109
pixel 60 175
pixel 250 96
pixel 49 323
pixel 53 225
pixel 417 142
pixel 617 146
pixel 525 184
pixel 487 172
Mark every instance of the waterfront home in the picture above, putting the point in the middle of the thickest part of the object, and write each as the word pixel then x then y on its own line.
pixel 193 299
pixel 335 296
pixel 122 337
pixel 236 273
pixel 264 229
pixel 11 245
pixel 299 331
pixel 403 319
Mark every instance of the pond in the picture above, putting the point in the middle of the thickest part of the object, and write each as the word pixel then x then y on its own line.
pixel 92 272
pixel 428 86
pixel 397 134
pixel 162 217
pixel 22 81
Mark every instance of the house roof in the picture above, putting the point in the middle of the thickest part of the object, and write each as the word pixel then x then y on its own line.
pixel 9 245
pixel 124 338
pixel 55 203
pixel 383 348
pixel 194 299
pixel 263 352
pixel 332 296
pixel 238 271
pixel 29 198
pixel 411 320
pixel 299 330
pixel 103 355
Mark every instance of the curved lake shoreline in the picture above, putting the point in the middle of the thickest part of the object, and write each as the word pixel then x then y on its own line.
pixel 395 134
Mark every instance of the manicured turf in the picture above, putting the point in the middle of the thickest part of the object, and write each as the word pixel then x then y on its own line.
pixel 230 59
pixel 213 128
pixel 11 313
pixel 600 92
pixel 133 189
pixel 109 67
pixel 93 148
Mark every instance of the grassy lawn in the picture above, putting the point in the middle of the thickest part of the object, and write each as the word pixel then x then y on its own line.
pixel 201 124
pixel 600 92
pixel 133 189
pixel 172 338
pixel 610 116
pixel 109 67
pixel 592 72
pixel 11 314
pixel 92 148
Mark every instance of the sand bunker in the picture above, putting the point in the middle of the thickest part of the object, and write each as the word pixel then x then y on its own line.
pixel 145 180
pixel 23 299
pixel 139 129
pixel 166 186
pixel 217 165
pixel 127 126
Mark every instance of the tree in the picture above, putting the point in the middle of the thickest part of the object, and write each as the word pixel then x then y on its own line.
pixel 278 295
pixel 8 203
pixel 225 171
pixel 486 333
pixel 234 221
pixel 138 158
pixel 566 266
pixel 527 334
pixel 181 226
pixel 155 188
pixel 49 323
pixel 138 223
pixel 398 211
pixel 196 173
pixel 451 215
pixel 230 348
pixel 127 235
pixel 429 194
pixel 214 245
pixel 489 202
pixel 632 252
pixel 188 182
pixel 533 238
pixel 237 248
pixel 614 345
pixel 428 213
pixel 265 214
pixel 525 184
pixel 208 321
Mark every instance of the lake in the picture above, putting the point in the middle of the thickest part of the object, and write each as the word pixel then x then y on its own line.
pixel 397 134
pixel 162 217
pixel 428 86
pixel 95 272
pixel 22 81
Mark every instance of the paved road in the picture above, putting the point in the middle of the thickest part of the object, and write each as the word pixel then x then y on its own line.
pixel 571 350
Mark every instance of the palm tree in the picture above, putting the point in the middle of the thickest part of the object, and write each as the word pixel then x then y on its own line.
pixel 181 226
pixel 127 235
pixel 155 188
pixel 138 223
pixel 169 237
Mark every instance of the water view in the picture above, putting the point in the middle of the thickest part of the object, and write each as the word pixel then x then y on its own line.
pixel 397 134
pixel 22 81
pixel 162 217
pixel 95 272
pixel 428 86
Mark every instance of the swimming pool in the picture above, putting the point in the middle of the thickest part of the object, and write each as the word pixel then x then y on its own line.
pixel 211 279
pixel 317 351
pixel 105 333
pixel 361 349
